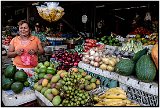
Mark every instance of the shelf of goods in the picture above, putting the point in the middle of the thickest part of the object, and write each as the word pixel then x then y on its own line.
pixel 144 93
pixel 52 48
pixel 9 98
pixel 56 41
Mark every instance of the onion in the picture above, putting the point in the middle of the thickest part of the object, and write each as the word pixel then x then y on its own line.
pixel 97 59
pixel 83 59
pixel 86 56
pixel 96 54
pixel 92 52
pixel 96 49
pixel 92 62
pixel 96 64
pixel 91 58
pixel 87 61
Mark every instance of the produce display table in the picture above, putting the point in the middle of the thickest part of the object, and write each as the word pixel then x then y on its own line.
pixel 151 88
pixel 11 99
pixel 144 93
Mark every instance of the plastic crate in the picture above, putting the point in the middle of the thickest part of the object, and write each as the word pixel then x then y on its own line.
pixel 140 96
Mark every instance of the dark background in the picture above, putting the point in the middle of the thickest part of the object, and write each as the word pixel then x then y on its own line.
pixel 75 9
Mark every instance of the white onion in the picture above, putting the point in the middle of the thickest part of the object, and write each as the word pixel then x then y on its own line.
pixel 86 56
pixel 83 59
pixel 96 54
pixel 96 49
pixel 87 61
pixel 97 59
pixel 96 64
pixel 92 52
pixel 92 62
pixel 91 58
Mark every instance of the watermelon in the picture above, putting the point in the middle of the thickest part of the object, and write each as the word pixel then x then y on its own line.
pixel 20 76
pixel 6 83
pixel 10 71
pixel 125 67
pixel 145 69
pixel 17 87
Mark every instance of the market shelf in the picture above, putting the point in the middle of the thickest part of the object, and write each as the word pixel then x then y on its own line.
pixel 12 99
pixel 151 88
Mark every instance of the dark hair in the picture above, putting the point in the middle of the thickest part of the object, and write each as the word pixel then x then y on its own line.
pixel 22 22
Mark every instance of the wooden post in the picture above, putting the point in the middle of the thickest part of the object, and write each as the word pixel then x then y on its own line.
pixel 28 13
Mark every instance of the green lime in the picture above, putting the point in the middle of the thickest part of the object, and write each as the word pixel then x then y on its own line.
pixel 26 84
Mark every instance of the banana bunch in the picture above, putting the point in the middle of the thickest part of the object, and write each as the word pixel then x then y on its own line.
pixel 113 97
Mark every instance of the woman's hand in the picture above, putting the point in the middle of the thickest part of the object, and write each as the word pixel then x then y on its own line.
pixel 19 51
pixel 32 52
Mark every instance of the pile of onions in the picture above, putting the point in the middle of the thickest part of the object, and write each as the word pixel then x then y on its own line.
pixel 93 57
pixel 97 58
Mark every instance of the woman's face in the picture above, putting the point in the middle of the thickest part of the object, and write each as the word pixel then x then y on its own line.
pixel 24 30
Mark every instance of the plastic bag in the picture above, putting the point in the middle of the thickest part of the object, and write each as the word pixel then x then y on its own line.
pixel 28 59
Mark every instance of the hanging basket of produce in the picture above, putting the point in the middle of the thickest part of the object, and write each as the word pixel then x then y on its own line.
pixel 50 11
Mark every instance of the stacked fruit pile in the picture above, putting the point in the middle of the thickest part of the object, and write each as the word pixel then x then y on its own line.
pixel 67 88
pixel 74 89
pixel 66 59
pixel 44 68
pixel 7 40
pixel 142 63
pixel 141 30
pixel 109 40
pixel 89 43
pixel 146 40
pixel 114 97
pixel 14 79
pixel 96 58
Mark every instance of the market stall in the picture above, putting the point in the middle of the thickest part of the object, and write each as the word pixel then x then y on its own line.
pixel 106 70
